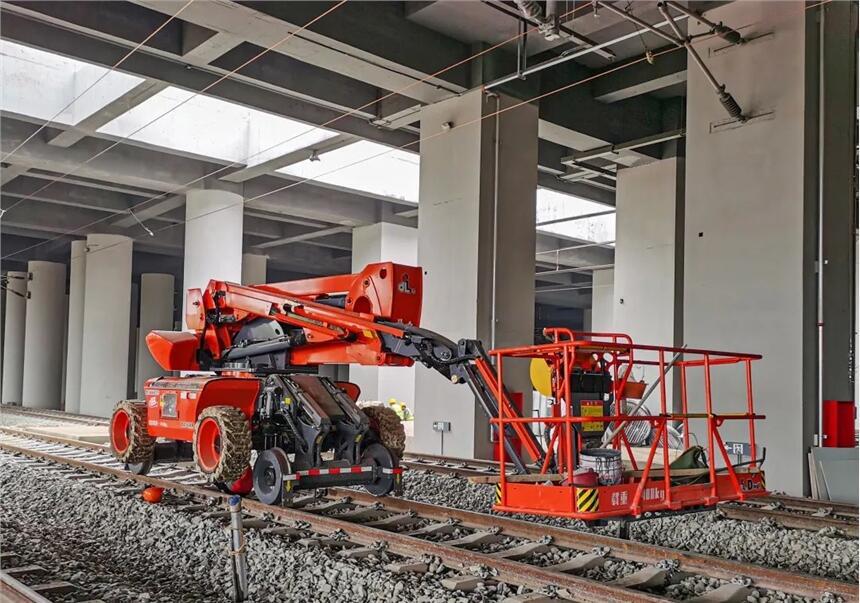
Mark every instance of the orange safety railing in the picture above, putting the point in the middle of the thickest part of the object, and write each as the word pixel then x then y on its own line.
pixel 617 354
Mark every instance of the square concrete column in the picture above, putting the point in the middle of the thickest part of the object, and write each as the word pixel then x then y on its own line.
pixel 156 313
pixel 13 337
pixel 745 235
pixel 647 296
pixel 476 243
pixel 384 242
pixel 213 239
pixel 75 333
pixel 107 297
pixel 253 268
pixel 43 349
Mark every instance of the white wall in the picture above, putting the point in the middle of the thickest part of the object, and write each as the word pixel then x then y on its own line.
pixel 644 293
pixel 384 242
pixel 744 226
pixel 603 301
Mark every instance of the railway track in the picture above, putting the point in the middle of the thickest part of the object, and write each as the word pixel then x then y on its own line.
pixel 57 415
pixel 517 552
pixel 787 511
pixel 29 583
pixel 793 512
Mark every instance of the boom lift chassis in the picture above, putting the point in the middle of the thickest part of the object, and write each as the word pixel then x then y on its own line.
pixel 260 347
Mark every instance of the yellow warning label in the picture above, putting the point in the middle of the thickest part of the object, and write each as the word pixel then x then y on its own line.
pixel 498 494
pixel 587 500
pixel 589 408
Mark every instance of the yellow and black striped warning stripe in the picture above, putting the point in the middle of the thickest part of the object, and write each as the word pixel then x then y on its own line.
pixel 587 500
pixel 498 494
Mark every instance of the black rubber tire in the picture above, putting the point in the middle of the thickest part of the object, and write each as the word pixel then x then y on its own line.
pixel 235 443
pixel 141 445
pixel 141 468
pixel 387 426
pixel 379 455
pixel 269 471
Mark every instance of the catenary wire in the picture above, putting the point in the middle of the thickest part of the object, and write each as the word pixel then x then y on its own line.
pixel 477 120
pixel 177 106
pixel 138 206
pixel 91 86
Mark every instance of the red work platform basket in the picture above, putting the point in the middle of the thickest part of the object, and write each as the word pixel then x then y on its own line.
pixel 553 491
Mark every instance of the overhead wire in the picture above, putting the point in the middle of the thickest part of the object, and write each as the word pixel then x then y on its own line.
pixel 289 36
pixel 243 161
pixel 401 147
pixel 91 86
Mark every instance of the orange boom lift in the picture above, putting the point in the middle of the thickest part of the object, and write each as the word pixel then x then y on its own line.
pixel 260 347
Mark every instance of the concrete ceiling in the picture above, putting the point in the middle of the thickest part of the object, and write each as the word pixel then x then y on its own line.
pixel 350 58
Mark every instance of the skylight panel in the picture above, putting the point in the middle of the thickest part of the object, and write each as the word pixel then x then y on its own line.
pixel 564 210
pixel 39 84
pixel 210 127
pixel 365 166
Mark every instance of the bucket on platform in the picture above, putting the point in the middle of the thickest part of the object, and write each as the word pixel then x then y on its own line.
pixel 606 462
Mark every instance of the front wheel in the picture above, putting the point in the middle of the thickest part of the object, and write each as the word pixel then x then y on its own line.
pixel 378 455
pixel 222 443
pixel 270 469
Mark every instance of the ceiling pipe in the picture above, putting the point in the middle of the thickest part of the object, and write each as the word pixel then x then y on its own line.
pixel 570 55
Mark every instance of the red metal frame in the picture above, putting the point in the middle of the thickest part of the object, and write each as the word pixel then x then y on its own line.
pixel 635 495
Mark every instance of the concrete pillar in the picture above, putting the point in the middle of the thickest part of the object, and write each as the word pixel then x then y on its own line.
pixel 253 268
pixel 156 312
pixel 213 239
pixel 603 300
pixel 384 242
pixel 745 235
pixel 43 340
pixel 75 336
pixel 104 361
pixel 476 243
pixel 13 337
pixel 648 290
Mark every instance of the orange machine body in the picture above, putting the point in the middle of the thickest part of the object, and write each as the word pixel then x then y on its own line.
pixel 173 405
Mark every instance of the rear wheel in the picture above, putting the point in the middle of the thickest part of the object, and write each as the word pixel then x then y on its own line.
pixel 388 427
pixel 141 468
pixel 271 468
pixel 129 440
pixel 222 443
pixel 380 456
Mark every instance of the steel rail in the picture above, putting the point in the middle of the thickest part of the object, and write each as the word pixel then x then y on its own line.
pixel 530 576
pixel 781 580
pixel 799 518
pixel 13 590
pixel 407 546
pixel 55 415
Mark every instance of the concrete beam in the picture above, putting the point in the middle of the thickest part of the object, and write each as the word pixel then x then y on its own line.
pixel 643 78
pixel 68 195
pixel 291 158
pixel 123 104
pixel 365 42
pixel 37 24
pixel 201 45
pixel 306 236
pixel 9 172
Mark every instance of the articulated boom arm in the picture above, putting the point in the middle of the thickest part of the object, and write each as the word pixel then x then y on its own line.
pixel 369 318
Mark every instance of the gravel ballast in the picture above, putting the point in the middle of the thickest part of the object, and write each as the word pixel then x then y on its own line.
pixel 116 547
pixel 763 543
